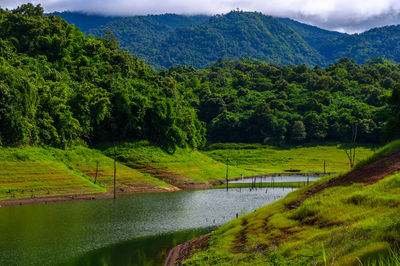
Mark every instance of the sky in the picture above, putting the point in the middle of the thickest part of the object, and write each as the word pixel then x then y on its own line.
pixel 341 15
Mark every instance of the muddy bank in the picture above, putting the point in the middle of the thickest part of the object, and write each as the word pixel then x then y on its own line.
pixel 184 251
pixel 280 174
pixel 106 195
pixel 179 182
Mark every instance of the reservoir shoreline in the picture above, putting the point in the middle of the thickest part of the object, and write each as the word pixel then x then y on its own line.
pixel 109 194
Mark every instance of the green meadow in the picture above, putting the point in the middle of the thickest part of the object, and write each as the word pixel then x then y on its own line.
pixel 268 159
pixel 354 224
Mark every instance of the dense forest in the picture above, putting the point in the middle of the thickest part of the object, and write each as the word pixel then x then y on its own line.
pixel 250 101
pixel 172 40
pixel 58 87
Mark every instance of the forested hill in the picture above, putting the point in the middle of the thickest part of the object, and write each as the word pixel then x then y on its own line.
pixel 171 40
pixel 147 36
pixel 314 36
pixel 382 42
pixel 59 87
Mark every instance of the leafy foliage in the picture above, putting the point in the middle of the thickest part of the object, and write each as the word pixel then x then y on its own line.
pixel 170 40
pixel 251 101
pixel 58 86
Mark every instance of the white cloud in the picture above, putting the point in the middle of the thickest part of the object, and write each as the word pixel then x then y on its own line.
pixel 347 15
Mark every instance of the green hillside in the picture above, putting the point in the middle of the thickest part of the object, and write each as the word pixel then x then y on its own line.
pixel 378 42
pixel 146 36
pixel 34 172
pixel 314 36
pixel 171 40
pixel 184 168
pixel 268 159
pixel 237 34
pixel 351 219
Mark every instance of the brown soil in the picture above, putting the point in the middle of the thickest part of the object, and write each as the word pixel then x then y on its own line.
pixel 106 195
pixel 186 250
pixel 367 174
pixel 177 180
pixel 240 239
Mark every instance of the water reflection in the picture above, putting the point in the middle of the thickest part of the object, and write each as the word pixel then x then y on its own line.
pixel 279 179
pixel 63 232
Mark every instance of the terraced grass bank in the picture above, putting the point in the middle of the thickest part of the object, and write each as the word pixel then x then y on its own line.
pixel 184 168
pixel 49 172
pixel 351 219
pixel 31 173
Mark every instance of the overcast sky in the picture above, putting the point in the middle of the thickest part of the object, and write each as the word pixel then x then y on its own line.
pixel 342 15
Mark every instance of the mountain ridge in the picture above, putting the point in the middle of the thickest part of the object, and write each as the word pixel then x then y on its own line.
pixel 170 40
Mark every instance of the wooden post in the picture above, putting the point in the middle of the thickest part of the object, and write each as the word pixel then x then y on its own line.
pixel 324 167
pixel 97 172
pixel 227 167
pixel 115 172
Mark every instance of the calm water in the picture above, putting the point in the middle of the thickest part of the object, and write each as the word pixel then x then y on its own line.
pixel 133 230
pixel 282 178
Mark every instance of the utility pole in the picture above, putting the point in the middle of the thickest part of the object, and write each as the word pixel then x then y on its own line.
pixel 227 182
pixel 97 171
pixel 115 172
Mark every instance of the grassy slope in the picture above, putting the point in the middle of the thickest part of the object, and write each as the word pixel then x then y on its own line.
pixel 348 224
pixel 53 172
pixel 39 172
pixel 267 159
pixel 192 164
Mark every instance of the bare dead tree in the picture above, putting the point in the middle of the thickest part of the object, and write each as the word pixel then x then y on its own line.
pixel 97 172
pixel 227 168
pixel 351 151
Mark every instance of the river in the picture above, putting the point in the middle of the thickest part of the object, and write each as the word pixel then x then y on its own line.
pixel 136 229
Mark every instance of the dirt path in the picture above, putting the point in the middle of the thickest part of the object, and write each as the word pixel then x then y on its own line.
pixel 367 174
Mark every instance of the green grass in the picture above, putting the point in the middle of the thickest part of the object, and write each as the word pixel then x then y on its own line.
pixel 43 172
pixel 266 159
pixel 192 164
pixel 33 172
pixel 343 225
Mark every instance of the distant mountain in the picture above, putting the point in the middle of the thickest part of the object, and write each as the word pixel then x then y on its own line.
pixel 378 42
pixel 314 36
pixel 169 40
pixel 145 36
